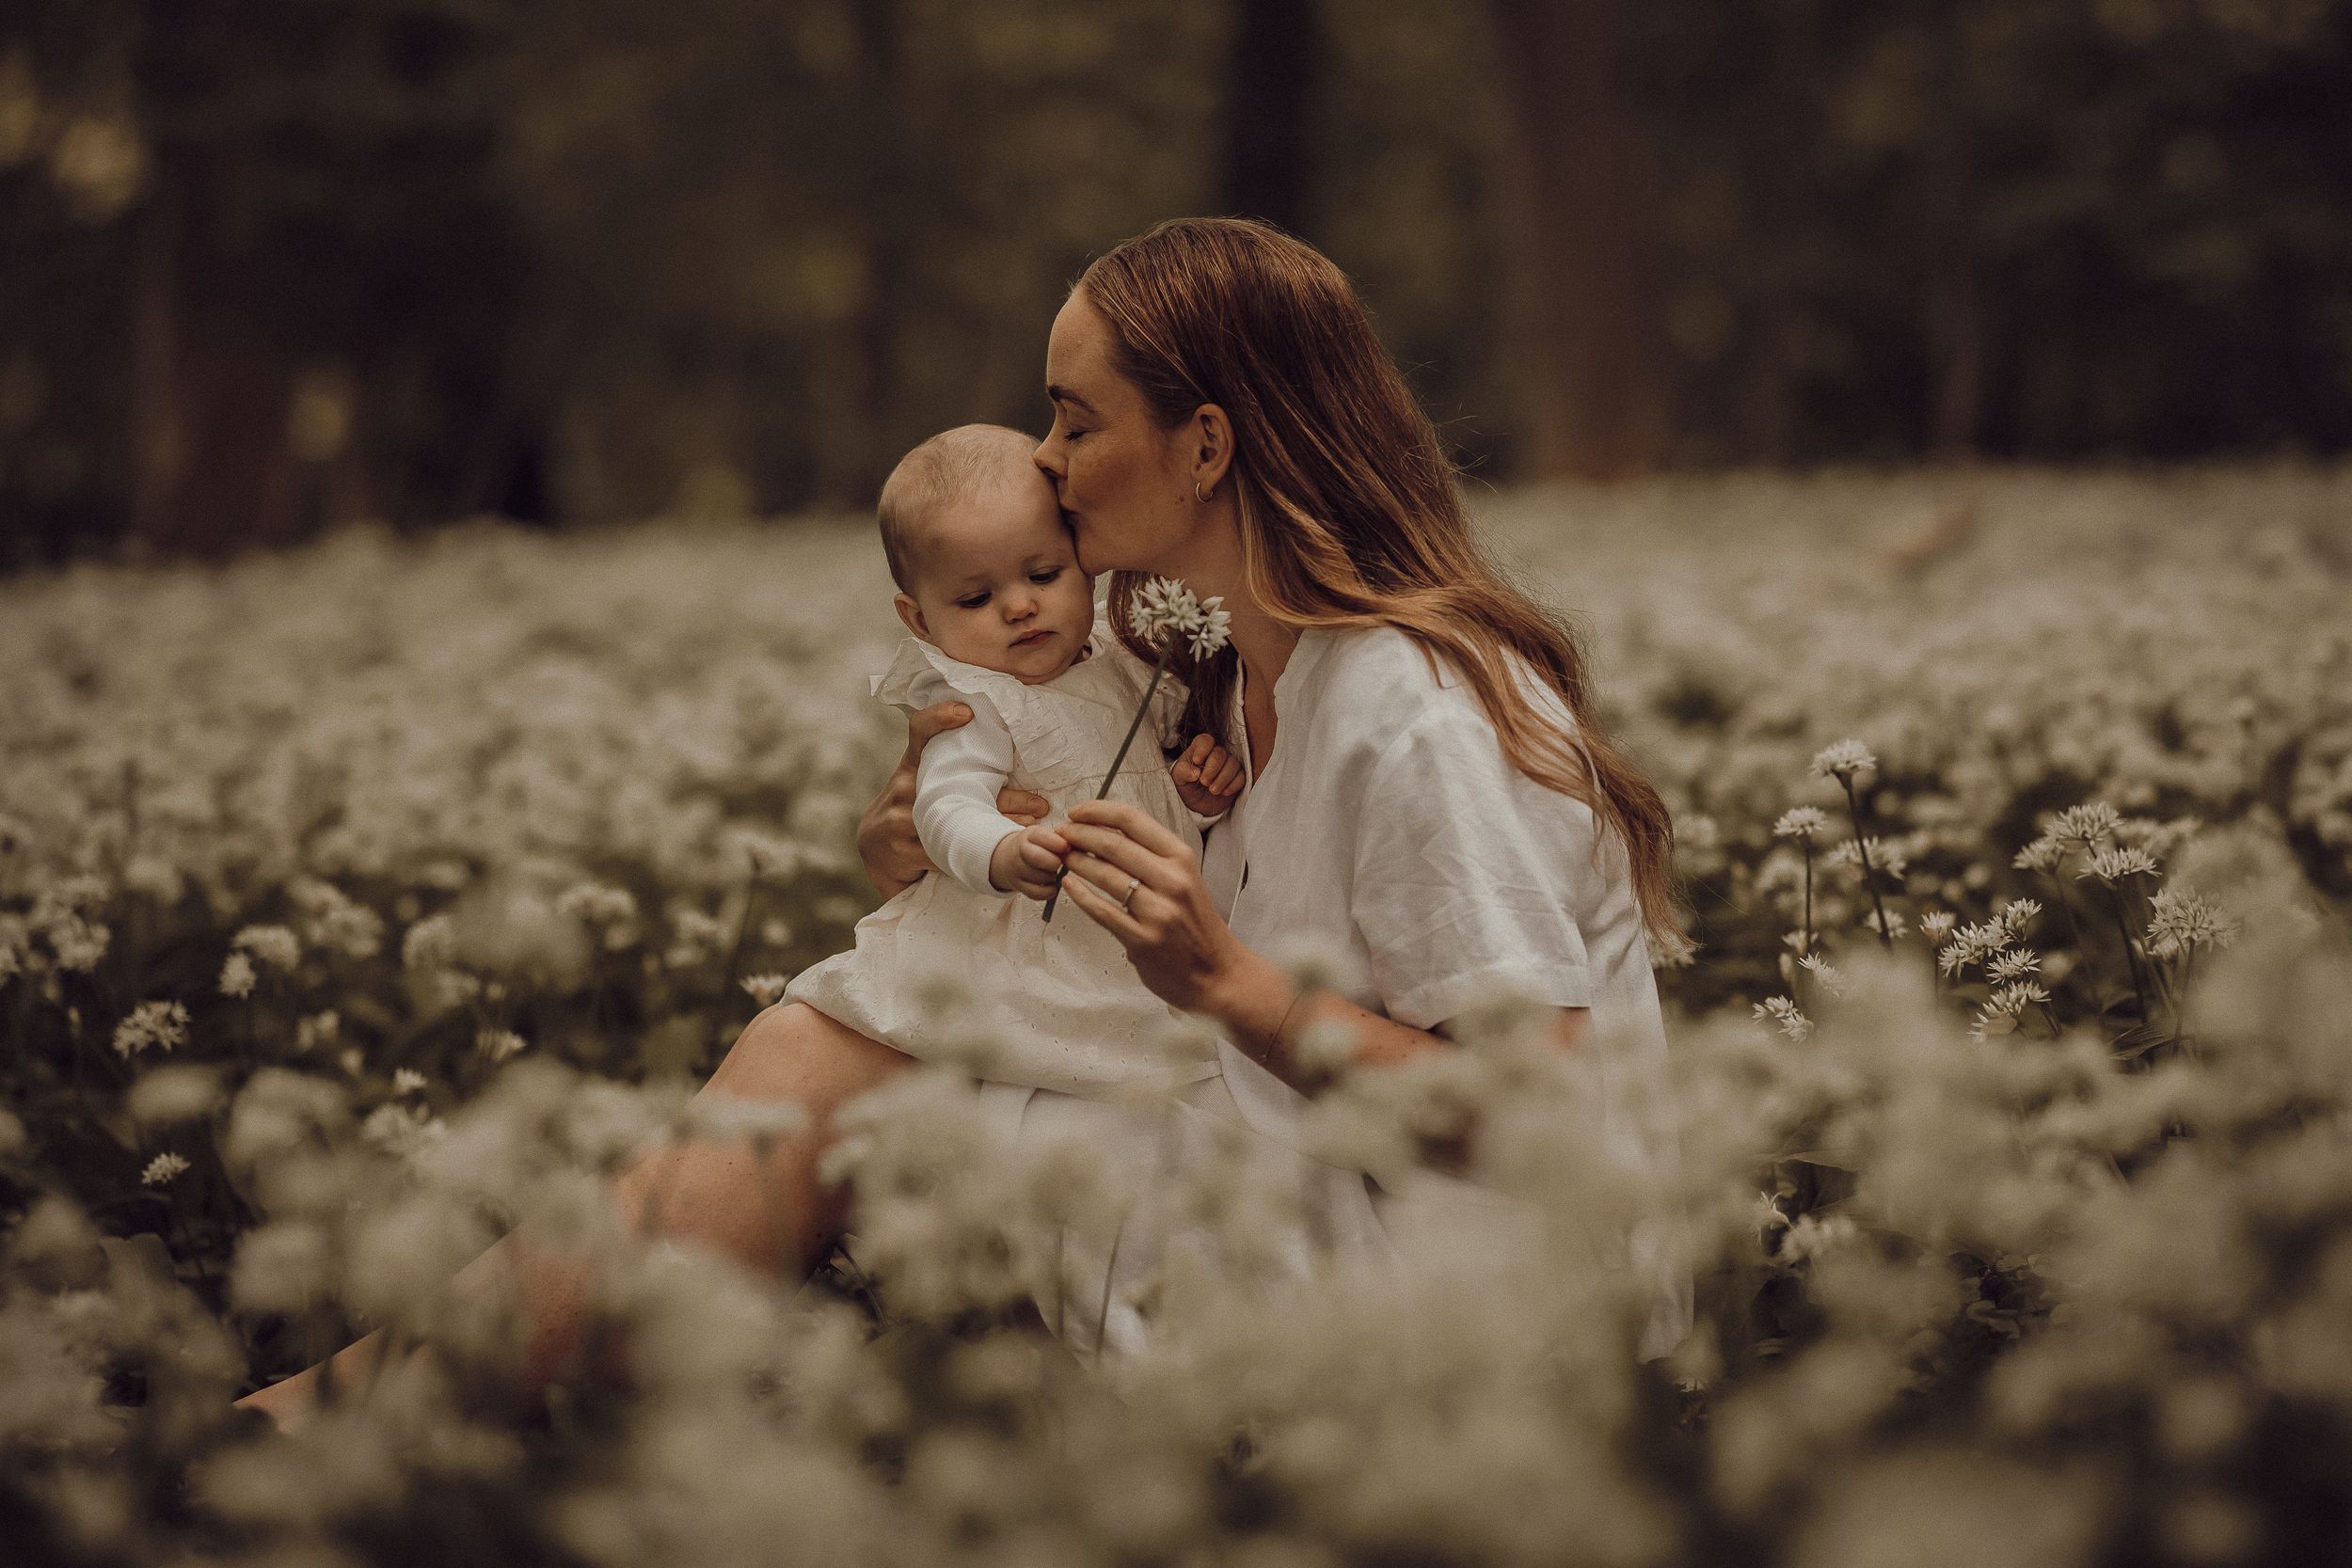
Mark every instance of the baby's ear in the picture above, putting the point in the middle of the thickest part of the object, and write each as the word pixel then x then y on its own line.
pixel 911 613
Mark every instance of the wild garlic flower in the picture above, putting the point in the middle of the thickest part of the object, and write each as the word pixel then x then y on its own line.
pixel 2018 914
pixel 1833 980
pixel 1782 1014
pixel 1801 822
pixel 1843 761
pixel 2085 825
pixel 1973 943
pixel 162 1024
pixel 1895 924
pixel 2043 854
pixel 2180 921
pixel 1163 606
pixel 1936 927
pixel 2015 964
pixel 275 945
pixel 407 1080
pixel 317 1029
pixel 430 942
pixel 766 990
pixel 1884 857
pixel 499 1044
pixel 236 974
pixel 2111 865
pixel 162 1168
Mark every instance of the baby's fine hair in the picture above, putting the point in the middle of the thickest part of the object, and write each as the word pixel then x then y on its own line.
pixel 953 462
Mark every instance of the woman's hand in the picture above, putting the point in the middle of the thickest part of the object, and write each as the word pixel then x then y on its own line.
pixel 1173 935
pixel 886 840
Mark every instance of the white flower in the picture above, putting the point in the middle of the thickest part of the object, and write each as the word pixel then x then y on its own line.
pixel 1831 979
pixel 1784 1015
pixel 2043 854
pixel 1936 927
pixel 318 1029
pixel 407 1080
pixel 2018 914
pixel 499 1044
pixel 2111 865
pixel 181 1092
pixel 2012 965
pixel 2085 825
pixel 236 975
pixel 274 945
pixel 2180 921
pixel 162 1024
pixel 766 990
pixel 1163 607
pixel 595 904
pixel 430 942
pixel 1801 822
pixel 162 1170
pixel 1843 761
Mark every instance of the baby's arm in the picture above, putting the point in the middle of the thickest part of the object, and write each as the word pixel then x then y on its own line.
pixel 1207 776
pixel 954 800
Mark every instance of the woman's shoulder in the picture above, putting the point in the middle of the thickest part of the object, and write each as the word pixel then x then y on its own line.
pixel 1386 681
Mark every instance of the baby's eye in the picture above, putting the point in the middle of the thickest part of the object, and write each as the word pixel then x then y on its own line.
pixel 1045 576
pixel 972 601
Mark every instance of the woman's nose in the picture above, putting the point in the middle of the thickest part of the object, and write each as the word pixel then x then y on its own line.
pixel 1048 459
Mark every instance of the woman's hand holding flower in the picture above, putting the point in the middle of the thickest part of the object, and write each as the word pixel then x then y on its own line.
pixel 1181 947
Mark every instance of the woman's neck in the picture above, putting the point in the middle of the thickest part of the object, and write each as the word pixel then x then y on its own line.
pixel 1263 642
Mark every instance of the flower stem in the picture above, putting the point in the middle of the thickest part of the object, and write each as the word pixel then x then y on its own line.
pixel 1807 841
pixel 1862 847
pixel 1141 708
pixel 2131 959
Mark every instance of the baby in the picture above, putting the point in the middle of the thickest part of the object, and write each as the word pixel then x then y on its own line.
pixel 1003 622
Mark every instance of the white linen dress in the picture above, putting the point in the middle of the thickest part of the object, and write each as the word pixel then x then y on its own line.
pixel 1389 823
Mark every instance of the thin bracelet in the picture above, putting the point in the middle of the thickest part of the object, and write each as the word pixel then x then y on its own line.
pixel 1274 1041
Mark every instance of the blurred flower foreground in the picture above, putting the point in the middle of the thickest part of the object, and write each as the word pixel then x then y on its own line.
pixel 359 903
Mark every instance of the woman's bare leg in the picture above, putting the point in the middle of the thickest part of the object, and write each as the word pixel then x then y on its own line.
pixel 714 1194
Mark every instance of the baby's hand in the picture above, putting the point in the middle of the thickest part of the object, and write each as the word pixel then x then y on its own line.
pixel 1207 775
pixel 1027 863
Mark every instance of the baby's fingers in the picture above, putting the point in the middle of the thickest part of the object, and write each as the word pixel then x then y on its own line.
pixel 1223 773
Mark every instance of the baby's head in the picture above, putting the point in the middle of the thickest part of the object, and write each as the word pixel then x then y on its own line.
pixel 985 566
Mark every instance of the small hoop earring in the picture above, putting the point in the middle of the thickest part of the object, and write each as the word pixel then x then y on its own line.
pixel 1196 495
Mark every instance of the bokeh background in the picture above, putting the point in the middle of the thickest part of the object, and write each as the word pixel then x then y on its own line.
pixel 266 265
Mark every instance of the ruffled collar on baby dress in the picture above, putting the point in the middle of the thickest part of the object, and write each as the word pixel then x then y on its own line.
pixel 915 658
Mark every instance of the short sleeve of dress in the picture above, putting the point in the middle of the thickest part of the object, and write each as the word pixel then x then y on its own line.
pixel 1467 874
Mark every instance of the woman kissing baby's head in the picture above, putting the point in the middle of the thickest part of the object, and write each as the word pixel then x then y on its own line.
pixel 986 569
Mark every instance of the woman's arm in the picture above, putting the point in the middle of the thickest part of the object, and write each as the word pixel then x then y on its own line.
pixel 1189 957
pixel 887 843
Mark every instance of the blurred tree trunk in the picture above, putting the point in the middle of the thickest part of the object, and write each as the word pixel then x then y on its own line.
pixel 871 426
pixel 213 471
pixel 1594 392
pixel 1270 84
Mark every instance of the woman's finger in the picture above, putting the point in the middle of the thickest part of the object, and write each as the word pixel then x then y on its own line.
pixel 1107 858
pixel 924 723
pixel 1132 820
pixel 1105 910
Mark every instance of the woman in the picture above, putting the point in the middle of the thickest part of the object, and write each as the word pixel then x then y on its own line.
pixel 1427 791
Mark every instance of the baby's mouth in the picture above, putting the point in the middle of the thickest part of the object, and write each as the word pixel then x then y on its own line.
pixel 1030 640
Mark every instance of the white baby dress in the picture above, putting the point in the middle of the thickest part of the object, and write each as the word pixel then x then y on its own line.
pixel 951 970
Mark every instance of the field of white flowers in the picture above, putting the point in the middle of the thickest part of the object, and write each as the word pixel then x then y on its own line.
pixel 361 903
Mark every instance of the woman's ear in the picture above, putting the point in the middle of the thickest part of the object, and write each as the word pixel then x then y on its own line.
pixel 911 613
pixel 1212 455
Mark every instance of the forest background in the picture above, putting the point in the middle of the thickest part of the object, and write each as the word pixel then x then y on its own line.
pixel 271 264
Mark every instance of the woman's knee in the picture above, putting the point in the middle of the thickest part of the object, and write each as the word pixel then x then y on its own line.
pixel 793 1051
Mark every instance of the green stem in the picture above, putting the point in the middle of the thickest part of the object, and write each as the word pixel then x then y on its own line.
pixel 1141 708
pixel 1862 847
pixel 2131 959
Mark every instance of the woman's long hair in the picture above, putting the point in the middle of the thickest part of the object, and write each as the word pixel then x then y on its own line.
pixel 1349 513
